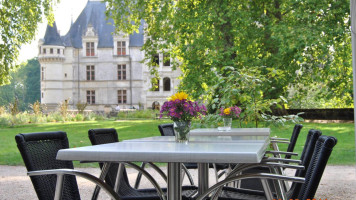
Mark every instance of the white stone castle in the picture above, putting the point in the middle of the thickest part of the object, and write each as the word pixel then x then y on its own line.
pixel 91 64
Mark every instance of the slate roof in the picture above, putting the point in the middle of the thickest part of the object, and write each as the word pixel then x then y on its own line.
pixel 52 37
pixel 93 14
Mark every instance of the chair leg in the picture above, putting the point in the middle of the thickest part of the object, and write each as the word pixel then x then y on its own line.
pixel 190 178
pixel 104 172
pixel 139 176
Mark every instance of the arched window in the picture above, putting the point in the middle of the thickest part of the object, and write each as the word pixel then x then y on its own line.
pixel 166 84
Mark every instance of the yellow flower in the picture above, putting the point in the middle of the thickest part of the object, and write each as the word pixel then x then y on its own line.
pixel 227 111
pixel 179 95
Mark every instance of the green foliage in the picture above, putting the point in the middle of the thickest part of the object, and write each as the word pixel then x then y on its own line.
pixel 19 21
pixel 288 42
pixel 24 85
pixel 138 114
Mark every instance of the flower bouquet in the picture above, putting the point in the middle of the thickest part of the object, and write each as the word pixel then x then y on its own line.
pixel 182 111
pixel 228 114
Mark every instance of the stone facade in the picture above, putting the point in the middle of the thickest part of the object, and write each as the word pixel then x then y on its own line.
pixel 90 64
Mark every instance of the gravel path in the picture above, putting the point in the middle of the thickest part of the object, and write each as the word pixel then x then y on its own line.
pixel 338 182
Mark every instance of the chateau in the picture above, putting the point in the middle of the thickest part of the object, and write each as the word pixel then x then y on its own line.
pixel 92 64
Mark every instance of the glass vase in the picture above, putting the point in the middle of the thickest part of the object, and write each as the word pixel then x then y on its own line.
pixel 181 131
pixel 227 124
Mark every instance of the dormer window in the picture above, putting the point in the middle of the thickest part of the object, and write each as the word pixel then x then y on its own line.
pixel 58 51
pixel 44 51
pixel 90 51
pixel 51 50
pixel 121 48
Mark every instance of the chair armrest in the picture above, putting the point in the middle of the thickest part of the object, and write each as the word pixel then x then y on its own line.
pixel 268 159
pixel 280 141
pixel 248 176
pixel 61 172
pixel 276 138
pixel 270 165
pixel 282 152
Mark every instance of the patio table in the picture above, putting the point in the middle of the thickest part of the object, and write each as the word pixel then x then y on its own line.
pixel 200 149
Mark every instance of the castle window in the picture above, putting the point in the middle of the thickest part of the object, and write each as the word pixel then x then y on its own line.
pixel 58 51
pixel 51 51
pixel 121 48
pixel 42 73
pixel 121 96
pixel 44 51
pixel 155 84
pixel 155 60
pixel 121 72
pixel 91 96
pixel 90 49
pixel 42 95
pixel 166 60
pixel 65 75
pixel 40 50
pixel 166 84
pixel 90 72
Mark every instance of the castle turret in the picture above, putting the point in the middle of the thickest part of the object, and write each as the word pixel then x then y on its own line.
pixel 51 58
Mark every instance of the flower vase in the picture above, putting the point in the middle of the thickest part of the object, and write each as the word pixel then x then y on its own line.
pixel 227 124
pixel 181 131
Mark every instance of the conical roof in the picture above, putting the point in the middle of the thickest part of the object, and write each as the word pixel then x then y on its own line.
pixel 52 37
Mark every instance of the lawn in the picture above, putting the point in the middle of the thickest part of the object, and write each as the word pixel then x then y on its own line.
pixel 343 154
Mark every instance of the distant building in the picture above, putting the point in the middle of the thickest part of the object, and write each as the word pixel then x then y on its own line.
pixel 91 64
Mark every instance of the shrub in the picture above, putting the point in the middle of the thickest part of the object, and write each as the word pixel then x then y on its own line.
pixel 79 117
pixel 81 106
pixel 138 114
pixel 63 108
pixel 2 110
pixel 36 108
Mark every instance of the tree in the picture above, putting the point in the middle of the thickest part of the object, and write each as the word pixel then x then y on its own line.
pixel 24 86
pixel 285 41
pixel 18 21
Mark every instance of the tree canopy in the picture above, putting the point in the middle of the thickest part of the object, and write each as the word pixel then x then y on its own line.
pixel 24 87
pixel 19 21
pixel 286 42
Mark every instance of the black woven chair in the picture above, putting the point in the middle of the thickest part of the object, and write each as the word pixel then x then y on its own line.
pixel 50 177
pixel 308 185
pixel 308 149
pixel 126 192
pixel 291 143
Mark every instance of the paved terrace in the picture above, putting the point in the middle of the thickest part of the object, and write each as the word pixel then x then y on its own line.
pixel 338 182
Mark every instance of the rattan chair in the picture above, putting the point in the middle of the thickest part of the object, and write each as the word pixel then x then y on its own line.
pixel 51 178
pixel 103 136
pixel 308 185
pixel 308 149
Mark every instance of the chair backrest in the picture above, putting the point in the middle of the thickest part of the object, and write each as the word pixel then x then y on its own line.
pixel 166 129
pixel 39 151
pixel 104 136
pixel 320 157
pixel 308 150
pixel 293 139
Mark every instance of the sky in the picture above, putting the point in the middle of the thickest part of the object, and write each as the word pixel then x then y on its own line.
pixel 63 12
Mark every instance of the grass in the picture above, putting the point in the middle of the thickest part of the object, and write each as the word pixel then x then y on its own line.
pixel 343 154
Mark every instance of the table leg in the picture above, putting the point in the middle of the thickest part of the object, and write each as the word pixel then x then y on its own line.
pixel 203 177
pixel 174 189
